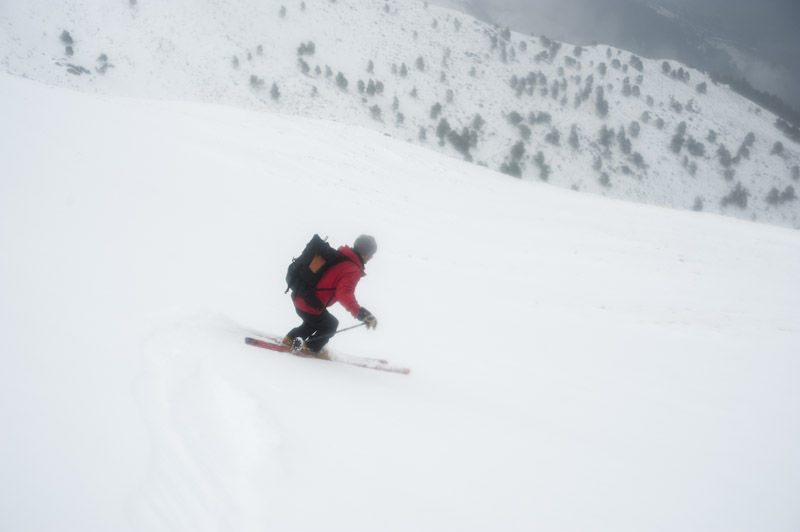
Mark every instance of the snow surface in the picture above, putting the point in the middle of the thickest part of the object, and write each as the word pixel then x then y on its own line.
pixel 578 363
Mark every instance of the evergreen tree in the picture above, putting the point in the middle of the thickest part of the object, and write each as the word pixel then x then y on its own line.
pixel 774 196
pixel 606 136
pixel 573 138
pixel 256 82
pixel 626 87
pixel 517 151
pixel 514 118
pixel 341 81
pixel 738 196
pixel 442 130
pixel 460 142
pixel 695 147
pixel 511 168
pixel 676 144
pixel 624 142
pixel 544 168
pixel 600 103
pixel 554 137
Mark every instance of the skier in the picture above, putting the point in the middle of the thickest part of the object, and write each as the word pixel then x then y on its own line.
pixel 337 284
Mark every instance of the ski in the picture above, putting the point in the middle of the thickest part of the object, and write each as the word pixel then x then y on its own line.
pixel 361 362
pixel 278 341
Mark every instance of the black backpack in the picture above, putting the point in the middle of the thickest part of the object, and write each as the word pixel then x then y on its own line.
pixel 306 270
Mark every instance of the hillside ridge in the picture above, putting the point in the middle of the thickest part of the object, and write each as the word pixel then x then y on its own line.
pixel 594 119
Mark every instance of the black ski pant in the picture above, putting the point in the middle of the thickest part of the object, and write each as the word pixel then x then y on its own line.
pixel 316 329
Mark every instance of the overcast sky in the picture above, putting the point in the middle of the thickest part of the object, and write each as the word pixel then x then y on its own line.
pixel 766 33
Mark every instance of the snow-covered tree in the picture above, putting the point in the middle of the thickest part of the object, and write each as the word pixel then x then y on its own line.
pixel 341 81
pixel 738 196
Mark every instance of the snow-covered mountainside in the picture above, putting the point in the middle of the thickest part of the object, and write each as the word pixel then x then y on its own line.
pixel 711 35
pixel 578 363
pixel 595 119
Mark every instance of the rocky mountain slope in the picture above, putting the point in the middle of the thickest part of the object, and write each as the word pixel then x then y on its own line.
pixel 595 119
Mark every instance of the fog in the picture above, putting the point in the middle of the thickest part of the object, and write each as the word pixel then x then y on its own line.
pixel 757 40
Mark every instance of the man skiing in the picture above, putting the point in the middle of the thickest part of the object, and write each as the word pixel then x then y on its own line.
pixel 338 283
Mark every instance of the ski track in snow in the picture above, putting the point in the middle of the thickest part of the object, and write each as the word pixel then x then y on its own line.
pixel 213 448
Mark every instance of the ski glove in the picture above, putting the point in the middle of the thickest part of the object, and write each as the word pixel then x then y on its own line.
pixel 367 317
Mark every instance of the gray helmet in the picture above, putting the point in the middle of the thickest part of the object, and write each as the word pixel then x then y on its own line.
pixel 365 246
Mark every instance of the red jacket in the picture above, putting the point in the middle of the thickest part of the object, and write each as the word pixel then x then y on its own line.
pixel 343 278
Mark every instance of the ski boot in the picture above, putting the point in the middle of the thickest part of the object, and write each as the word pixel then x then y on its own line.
pixel 321 354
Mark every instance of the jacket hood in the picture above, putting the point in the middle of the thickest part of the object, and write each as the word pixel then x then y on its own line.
pixel 351 255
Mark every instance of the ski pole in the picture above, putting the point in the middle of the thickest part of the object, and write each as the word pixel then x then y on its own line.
pixel 348 328
pixel 330 335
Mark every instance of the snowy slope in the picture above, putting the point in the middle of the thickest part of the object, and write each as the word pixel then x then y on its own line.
pixel 579 363
pixel 236 52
